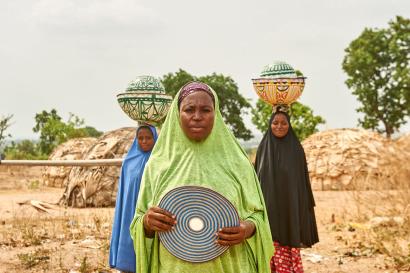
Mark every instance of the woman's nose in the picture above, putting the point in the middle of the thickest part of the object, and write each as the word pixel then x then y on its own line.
pixel 197 115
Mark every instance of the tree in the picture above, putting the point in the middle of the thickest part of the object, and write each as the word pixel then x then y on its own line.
pixel 303 121
pixel 53 131
pixel 5 123
pixel 91 131
pixel 174 81
pixel 26 149
pixel 378 67
pixel 232 104
pixel 44 117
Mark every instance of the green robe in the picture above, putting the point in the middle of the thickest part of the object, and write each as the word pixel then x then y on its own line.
pixel 218 163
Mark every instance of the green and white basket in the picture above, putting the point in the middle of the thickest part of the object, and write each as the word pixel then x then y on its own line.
pixel 145 100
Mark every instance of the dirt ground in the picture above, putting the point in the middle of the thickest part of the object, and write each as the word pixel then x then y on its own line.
pixel 77 240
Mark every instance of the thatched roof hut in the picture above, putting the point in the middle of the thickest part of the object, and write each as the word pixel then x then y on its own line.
pixel 97 186
pixel 352 159
pixel 69 150
pixel 90 186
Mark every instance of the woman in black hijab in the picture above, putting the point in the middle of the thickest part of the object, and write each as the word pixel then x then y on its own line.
pixel 283 174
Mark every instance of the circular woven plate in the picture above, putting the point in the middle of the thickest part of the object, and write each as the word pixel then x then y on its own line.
pixel 200 213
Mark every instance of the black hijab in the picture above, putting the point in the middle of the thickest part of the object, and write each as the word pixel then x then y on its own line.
pixel 283 174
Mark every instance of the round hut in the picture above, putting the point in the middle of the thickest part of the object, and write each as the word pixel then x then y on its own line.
pixel 97 186
pixel 70 150
pixel 343 159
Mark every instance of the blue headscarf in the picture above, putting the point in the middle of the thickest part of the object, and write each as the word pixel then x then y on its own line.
pixel 122 255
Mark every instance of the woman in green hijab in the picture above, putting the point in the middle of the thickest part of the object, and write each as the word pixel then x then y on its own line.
pixel 195 148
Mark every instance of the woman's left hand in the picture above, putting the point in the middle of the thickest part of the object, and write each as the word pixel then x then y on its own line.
pixel 229 236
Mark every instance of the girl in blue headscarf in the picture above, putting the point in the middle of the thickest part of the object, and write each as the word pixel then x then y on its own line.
pixel 122 255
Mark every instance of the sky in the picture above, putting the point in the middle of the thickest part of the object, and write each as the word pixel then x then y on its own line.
pixel 77 55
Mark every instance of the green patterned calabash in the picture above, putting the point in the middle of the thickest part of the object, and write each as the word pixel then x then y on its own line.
pixel 145 100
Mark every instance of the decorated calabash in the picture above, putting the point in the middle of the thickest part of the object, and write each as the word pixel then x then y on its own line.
pixel 279 84
pixel 145 100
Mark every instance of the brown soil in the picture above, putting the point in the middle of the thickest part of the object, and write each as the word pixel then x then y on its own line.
pixel 77 240
pixel 17 178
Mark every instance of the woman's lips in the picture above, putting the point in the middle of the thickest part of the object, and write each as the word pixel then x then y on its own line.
pixel 196 129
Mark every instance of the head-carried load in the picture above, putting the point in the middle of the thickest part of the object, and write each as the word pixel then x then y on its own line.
pixel 145 100
pixel 279 85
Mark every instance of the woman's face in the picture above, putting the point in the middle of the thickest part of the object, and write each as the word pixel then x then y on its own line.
pixel 197 115
pixel 145 139
pixel 280 125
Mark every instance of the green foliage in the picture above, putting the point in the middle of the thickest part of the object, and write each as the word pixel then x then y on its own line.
pixel 232 104
pixel 50 126
pixel 5 123
pixel 378 67
pixel 261 115
pixel 43 118
pixel 91 131
pixel 174 81
pixel 303 121
pixel 53 131
pixel 26 149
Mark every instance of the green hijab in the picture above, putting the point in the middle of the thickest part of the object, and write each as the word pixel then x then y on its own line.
pixel 218 163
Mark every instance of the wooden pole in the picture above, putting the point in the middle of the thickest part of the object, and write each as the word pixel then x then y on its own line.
pixel 91 162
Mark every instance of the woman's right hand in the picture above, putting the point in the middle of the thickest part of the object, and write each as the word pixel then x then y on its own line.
pixel 157 219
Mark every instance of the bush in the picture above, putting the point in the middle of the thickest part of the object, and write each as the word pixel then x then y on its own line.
pixel 26 149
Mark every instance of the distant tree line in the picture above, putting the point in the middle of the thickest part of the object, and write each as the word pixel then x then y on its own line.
pixel 53 131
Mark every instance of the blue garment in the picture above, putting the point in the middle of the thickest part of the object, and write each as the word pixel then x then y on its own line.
pixel 122 255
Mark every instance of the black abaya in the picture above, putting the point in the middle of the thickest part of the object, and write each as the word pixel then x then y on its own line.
pixel 282 170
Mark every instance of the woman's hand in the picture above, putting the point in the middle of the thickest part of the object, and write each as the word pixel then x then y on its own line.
pixel 235 235
pixel 157 219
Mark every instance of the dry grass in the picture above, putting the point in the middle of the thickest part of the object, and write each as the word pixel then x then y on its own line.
pixel 34 258
pixel 77 240
pixel 383 218
pixel 57 243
